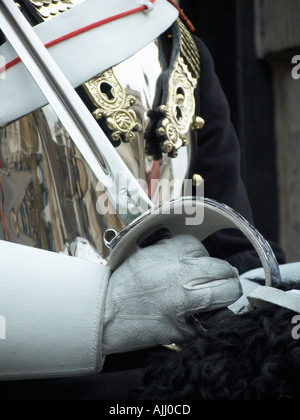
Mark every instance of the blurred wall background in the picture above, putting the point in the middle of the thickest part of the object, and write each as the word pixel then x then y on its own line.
pixel 253 43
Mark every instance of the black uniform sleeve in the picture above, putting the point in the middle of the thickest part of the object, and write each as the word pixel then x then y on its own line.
pixel 217 160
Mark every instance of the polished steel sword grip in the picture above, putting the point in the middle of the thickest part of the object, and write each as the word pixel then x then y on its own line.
pixel 153 235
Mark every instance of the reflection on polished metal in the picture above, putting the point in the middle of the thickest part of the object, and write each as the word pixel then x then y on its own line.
pixel 50 195
pixel 111 102
pixel 84 130
pixel 49 192
pixel 81 248
pixel 50 8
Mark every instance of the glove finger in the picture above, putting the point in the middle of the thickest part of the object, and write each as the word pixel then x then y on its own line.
pixel 210 296
pixel 206 269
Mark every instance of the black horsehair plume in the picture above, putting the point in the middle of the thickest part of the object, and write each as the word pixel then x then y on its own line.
pixel 253 356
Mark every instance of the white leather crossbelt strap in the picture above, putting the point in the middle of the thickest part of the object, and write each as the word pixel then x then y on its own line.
pixel 289 300
pixel 83 56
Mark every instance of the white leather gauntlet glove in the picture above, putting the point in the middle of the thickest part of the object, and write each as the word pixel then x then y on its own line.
pixel 151 295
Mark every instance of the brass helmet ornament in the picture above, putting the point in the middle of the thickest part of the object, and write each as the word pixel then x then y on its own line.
pixel 173 112
pixel 172 115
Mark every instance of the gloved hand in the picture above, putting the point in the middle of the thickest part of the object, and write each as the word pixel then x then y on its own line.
pixel 152 294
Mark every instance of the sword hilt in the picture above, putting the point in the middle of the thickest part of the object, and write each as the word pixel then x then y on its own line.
pixel 153 235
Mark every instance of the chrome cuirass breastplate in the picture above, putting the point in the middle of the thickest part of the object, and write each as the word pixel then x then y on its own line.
pixel 50 199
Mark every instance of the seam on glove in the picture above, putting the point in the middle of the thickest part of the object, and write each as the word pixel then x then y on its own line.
pixel 142 293
pixel 99 323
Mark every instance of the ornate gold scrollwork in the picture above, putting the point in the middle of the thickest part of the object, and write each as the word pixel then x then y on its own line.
pixel 50 8
pixel 113 104
pixel 180 106
pixel 172 120
pixel 178 111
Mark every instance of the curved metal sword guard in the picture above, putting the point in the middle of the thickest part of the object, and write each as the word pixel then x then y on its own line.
pixel 199 217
